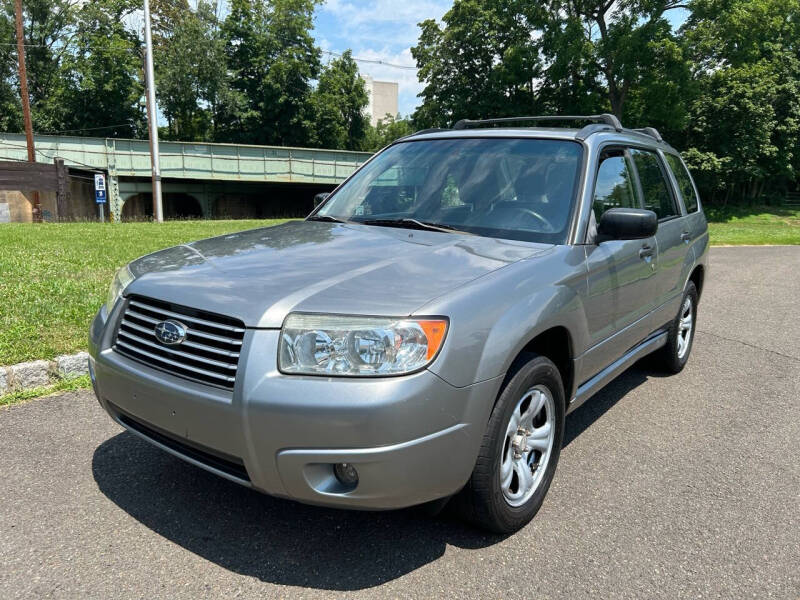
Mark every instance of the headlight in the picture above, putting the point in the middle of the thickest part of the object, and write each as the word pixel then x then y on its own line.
pixel 122 279
pixel 358 346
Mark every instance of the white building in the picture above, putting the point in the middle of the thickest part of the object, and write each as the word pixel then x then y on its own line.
pixel 382 99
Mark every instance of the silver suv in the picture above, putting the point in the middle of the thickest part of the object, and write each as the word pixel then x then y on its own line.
pixel 423 334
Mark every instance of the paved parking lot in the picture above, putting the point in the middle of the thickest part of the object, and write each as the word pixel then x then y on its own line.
pixel 685 486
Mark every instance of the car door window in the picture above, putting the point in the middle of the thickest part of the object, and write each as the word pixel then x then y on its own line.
pixel 684 182
pixel 657 195
pixel 614 186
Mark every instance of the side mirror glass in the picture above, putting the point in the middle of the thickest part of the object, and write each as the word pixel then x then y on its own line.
pixel 320 198
pixel 626 224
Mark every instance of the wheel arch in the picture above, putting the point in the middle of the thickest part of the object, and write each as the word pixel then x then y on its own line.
pixel 697 276
pixel 556 344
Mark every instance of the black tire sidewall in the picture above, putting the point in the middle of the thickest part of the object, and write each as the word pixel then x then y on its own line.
pixel 674 362
pixel 498 515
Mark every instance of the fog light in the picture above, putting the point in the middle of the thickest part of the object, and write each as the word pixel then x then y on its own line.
pixel 346 473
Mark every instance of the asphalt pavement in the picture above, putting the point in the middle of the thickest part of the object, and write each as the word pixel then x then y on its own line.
pixel 671 487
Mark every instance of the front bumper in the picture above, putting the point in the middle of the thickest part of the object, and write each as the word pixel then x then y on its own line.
pixel 412 439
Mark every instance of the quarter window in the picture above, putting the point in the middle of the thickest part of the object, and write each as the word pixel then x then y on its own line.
pixel 614 187
pixel 684 182
pixel 657 196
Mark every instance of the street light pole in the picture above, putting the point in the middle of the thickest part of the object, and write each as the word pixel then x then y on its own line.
pixel 152 116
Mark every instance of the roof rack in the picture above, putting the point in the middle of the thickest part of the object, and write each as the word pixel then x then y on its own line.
pixel 651 131
pixel 601 122
pixel 605 118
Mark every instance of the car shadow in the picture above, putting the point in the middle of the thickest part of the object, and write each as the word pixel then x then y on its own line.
pixel 287 543
pixel 274 540
pixel 599 404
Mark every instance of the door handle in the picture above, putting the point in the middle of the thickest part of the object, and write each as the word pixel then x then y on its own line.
pixel 645 252
pixel 686 236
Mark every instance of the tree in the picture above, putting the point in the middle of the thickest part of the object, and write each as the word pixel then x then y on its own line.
pixel 49 29
pixel 10 106
pixel 339 102
pixel 193 83
pixel 102 71
pixel 744 135
pixel 385 132
pixel 481 62
pixel 273 58
pixel 509 57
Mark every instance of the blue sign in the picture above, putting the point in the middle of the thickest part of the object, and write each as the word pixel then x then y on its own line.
pixel 100 196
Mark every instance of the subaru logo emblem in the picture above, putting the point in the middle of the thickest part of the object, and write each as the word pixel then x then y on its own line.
pixel 170 332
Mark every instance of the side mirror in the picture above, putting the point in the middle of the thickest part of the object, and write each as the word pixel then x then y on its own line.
pixel 320 198
pixel 626 224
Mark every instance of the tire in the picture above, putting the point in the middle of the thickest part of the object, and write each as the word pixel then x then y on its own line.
pixel 486 500
pixel 674 356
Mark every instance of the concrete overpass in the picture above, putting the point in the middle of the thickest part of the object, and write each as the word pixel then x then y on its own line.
pixel 203 172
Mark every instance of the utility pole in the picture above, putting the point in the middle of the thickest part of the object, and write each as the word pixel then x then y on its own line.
pixel 152 115
pixel 26 103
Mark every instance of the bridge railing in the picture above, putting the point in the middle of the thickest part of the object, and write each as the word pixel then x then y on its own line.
pixel 187 160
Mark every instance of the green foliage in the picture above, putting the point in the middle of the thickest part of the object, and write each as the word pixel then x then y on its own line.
pixel 10 107
pixel 102 72
pixel 273 59
pixel 192 80
pixel 339 102
pixel 744 130
pixel 481 62
pixel 385 132
pixel 726 87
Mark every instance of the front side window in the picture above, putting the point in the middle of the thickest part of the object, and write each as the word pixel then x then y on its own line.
pixel 614 186
pixel 522 189
pixel 657 196
pixel 684 182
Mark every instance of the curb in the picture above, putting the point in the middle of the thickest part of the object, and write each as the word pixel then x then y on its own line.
pixel 41 373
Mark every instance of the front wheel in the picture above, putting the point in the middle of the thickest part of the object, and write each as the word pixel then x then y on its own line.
pixel 520 449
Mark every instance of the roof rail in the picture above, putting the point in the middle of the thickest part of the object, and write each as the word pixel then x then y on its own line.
pixel 605 118
pixel 430 130
pixel 652 132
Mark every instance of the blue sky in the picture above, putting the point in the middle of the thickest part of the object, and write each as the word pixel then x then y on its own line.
pixel 381 30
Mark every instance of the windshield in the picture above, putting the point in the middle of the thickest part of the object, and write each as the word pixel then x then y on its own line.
pixel 521 189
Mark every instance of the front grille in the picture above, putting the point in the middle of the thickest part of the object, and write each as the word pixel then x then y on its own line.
pixel 227 464
pixel 210 353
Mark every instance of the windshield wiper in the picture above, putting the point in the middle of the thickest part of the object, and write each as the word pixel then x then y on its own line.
pixel 414 224
pixel 326 218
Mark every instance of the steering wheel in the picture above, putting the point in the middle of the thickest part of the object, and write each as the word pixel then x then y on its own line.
pixel 542 224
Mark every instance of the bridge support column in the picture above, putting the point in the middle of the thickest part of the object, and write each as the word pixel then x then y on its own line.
pixel 114 198
pixel 204 198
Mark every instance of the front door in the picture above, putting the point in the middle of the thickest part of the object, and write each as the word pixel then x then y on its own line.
pixel 621 273
pixel 671 238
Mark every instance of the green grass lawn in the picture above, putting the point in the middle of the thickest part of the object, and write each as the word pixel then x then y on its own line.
pixel 54 277
pixel 759 225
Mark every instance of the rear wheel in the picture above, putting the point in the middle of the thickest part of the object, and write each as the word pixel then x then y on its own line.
pixel 675 355
pixel 520 449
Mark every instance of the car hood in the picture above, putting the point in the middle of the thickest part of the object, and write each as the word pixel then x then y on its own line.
pixel 260 276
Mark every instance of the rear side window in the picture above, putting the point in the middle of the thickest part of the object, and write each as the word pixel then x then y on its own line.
pixel 657 196
pixel 614 187
pixel 684 182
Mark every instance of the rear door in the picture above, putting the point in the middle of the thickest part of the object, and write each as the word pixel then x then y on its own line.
pixel 696 227
pixel 671 238
pixel 621 273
